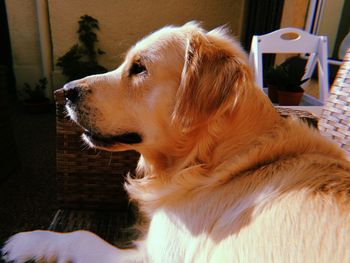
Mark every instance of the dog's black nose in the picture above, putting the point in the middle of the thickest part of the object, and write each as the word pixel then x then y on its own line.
pixel 72 94
pixel 71 91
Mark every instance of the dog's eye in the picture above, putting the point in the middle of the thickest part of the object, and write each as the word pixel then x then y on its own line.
pixel 137 68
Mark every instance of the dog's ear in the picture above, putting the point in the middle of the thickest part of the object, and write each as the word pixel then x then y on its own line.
pixel 212 78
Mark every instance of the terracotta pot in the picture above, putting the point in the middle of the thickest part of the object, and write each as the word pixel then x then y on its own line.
pixel 273 93
pixel 287 98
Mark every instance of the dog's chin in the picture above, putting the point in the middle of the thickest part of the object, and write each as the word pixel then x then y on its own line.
pixel 111 141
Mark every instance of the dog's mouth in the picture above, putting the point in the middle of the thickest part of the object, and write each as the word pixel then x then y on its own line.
pixel 110 140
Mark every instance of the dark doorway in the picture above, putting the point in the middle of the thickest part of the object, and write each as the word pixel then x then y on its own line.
pixel 7 79
pixel 262 17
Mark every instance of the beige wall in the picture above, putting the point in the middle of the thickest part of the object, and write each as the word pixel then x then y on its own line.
pixel 294 15
pixel 24 40
pixel 123 22
pixel 329 22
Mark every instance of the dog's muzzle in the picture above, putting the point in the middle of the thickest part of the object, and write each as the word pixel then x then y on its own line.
pixel 70 95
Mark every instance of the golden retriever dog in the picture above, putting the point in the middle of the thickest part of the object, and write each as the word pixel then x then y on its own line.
pixel 222 177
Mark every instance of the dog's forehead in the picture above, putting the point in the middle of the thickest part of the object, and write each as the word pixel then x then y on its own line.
pixel 153 44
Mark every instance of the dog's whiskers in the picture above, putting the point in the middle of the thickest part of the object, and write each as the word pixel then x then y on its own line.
pixel 85 147
pixel 110 158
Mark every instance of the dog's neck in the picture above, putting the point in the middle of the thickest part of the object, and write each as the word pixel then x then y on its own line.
pixel 205 148
pixel 222 136
pixel 249 138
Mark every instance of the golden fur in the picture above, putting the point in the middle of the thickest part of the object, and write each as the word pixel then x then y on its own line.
pixel 222 177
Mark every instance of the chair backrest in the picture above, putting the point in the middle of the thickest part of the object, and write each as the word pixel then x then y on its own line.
pixel 292 40
pixel 335 118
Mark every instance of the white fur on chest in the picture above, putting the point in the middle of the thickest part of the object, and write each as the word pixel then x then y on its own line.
pixel 194 236
pixel 169 240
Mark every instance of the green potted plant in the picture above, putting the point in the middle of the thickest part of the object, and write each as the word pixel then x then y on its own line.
pixel 81 60
pixel 36 100
pixel 272 79
pixel 287 77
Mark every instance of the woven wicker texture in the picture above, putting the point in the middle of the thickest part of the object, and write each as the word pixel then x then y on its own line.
pixel 335 118
pixel 88 178
pixel 308 117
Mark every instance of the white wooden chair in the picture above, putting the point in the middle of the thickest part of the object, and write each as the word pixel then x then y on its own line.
pixel 293 40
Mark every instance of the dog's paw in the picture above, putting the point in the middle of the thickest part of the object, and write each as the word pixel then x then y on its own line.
pixel 47 246
pixel 18 248
pixel 27 246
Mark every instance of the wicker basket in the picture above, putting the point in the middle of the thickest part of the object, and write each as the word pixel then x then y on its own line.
pixel 335 118
pixel 89 178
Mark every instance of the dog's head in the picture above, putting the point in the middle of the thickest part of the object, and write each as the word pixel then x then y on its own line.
pixel 175 80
